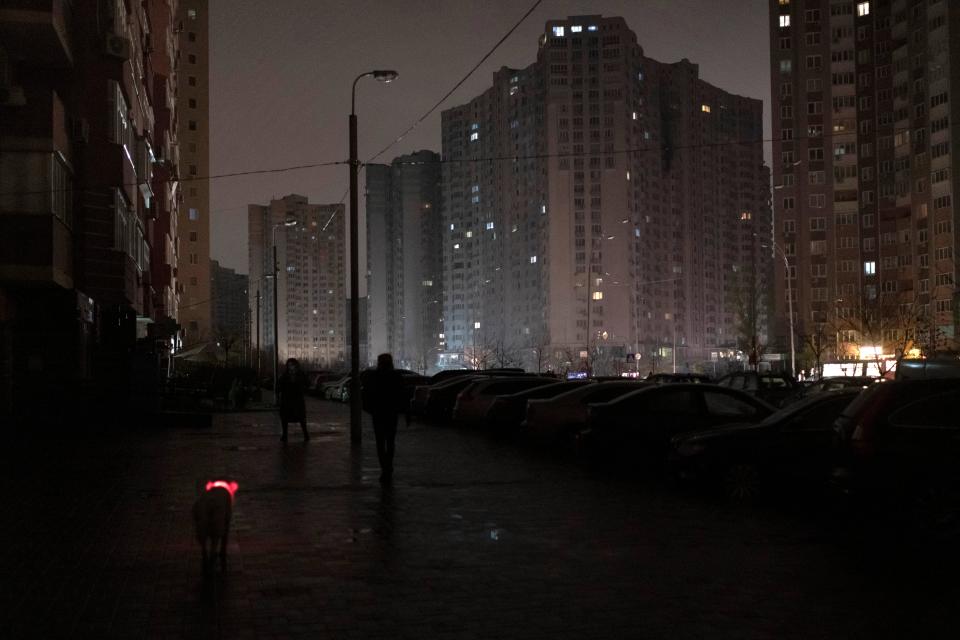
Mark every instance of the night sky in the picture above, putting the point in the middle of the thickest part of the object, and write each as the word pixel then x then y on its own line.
pixel 281 73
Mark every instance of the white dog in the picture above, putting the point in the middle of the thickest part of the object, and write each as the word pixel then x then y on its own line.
pixel 211 515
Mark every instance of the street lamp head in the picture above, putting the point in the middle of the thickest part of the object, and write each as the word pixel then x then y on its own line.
pixel 385 75
pixel 289 223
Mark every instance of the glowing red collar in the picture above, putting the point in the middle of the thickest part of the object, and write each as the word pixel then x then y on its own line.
pixel 231 487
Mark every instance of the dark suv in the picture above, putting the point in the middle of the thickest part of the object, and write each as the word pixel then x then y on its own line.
pixel 772 388
pixel 901 435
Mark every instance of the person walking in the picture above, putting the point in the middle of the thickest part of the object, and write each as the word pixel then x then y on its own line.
pixel 293 408
pixel 383 399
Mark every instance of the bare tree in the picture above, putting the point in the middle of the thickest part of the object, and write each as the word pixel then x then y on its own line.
pixel 751 306
pixel 227 338
pixel 815 345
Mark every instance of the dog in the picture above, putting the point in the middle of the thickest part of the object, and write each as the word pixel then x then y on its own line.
pixel 211 516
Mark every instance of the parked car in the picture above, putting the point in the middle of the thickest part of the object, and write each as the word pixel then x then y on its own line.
pixel 772 388
pixel 669 378
pixel 938 367
pixel 474 400
pixel 556 420
pixel 793 446
pixel 507 412
pixel 641 423
pixel 832 383
pixel 443 396
pixel 337 390
pixel 317 380
pixel 420 396
pixel 902 434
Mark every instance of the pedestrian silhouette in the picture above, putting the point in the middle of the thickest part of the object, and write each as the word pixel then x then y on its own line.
pixel 383 399
pixel 291 387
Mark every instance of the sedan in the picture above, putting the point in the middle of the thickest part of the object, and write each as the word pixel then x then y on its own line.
pixel 475 399
pixel 643 422
pixel 556 420
pixel 506 412
pixel 793 446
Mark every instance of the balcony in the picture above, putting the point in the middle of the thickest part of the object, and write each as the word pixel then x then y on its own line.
pixel 38 30
pixel 36 239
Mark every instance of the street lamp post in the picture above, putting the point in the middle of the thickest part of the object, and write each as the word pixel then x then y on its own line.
pixel 786 272
pixel 355 406
pixel 276 313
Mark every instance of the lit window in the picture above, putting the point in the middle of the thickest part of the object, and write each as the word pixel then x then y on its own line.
pixel 705 108
pixel 192 14
pixel 194 214
pixel 863 9
pixel 469 234
pixel 476 325
pixel 628 175
pixel 784 21
pixel 456 245
pixel 533 259
pixel 870 268
pixel 451 226
pixel 475 199
pixel 489 226
pixel 474 126
pixel 592 27
pixel 634 115
pixel 474 136
pixel 558 31
pixel 576 28
pixel 475 188
pixel 429 283
pixel 543 208
pixel 514 90
pixel 598 295
pixel 746 215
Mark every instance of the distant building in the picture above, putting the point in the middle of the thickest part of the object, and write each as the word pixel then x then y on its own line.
pixel 230 301
pixel 193 106
pixel 405 260
pixel 866 105
pixel 311 290
pixel 598 204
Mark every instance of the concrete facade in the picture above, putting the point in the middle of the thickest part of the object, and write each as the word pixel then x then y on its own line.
pixel 311 293
pixel 405 260
pixel 597 204
pixel 193 105
pixel 87 173
pixel 864 126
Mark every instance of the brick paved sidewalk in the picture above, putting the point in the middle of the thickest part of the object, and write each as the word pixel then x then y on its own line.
pixel 476 539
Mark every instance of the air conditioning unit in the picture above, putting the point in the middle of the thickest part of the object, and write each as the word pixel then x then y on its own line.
pixel 117 46
pixel 12 96
pixel 79 129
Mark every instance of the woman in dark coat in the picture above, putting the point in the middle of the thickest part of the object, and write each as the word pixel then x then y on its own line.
pixel 291 387
pixel 384 399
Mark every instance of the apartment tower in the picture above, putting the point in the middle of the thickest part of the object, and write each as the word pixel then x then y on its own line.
pixel 310 262
pixel 193 106
pixel 865 110
pixel 405 260
pixel 599 204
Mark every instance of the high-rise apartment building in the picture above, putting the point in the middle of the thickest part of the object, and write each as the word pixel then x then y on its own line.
pixel 311 294
pixel 230 300
pixel 405 260
pixel 193 107
pixel 600 204
pixel 864 126
pixel 86 241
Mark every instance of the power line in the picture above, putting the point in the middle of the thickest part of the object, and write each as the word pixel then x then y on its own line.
pixel 460 83
pixel 232 174
pixel 441 161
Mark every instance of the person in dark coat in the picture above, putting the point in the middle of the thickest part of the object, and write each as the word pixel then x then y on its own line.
pixel 383 399
pixel 291 387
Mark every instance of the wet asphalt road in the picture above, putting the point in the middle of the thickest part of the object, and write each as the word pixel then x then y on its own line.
pixel 477 538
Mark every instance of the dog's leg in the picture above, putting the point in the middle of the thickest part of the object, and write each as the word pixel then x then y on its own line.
pixel 223 549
